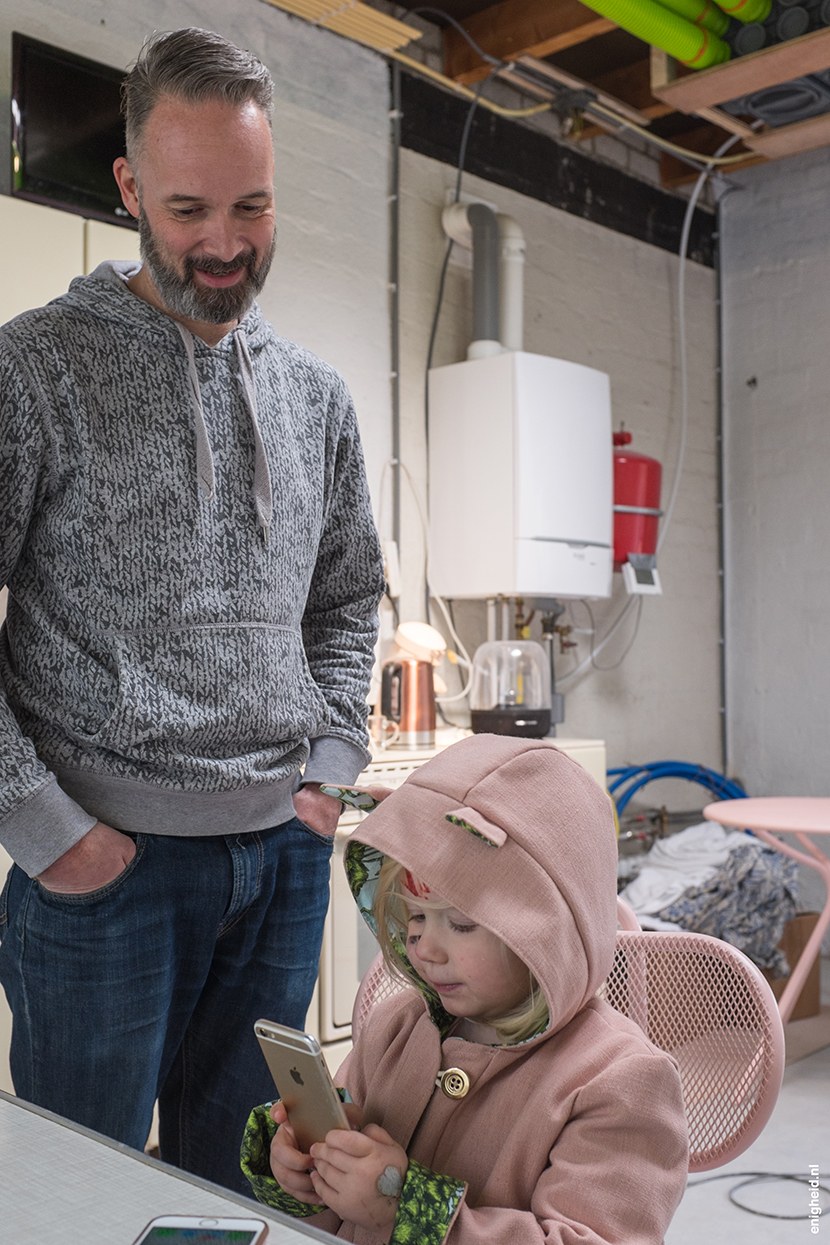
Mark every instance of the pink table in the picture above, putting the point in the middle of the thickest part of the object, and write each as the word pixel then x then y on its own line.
pixel 801 816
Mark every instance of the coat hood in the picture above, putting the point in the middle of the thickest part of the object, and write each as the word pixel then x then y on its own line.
pixel 520 838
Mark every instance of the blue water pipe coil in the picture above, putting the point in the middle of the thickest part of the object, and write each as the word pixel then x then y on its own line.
pixel 637 776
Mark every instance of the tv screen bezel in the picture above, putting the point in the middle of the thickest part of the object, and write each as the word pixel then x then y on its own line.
pixel 20 43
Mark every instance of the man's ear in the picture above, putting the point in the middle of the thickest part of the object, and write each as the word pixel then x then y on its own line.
pixel 127 184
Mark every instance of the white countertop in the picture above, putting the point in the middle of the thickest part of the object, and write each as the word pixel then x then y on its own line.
pixel 64 1185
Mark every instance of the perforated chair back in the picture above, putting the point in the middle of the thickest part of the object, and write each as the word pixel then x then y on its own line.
pixel 375 986
pixel 707 1005
pixel 703 1002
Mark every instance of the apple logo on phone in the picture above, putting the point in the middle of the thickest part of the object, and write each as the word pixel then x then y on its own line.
pixel 296 1077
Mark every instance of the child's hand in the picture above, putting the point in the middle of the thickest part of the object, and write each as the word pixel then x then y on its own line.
pixel 348 1167
pixel 289 1165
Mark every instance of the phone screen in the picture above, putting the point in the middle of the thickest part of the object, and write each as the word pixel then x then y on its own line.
pixel 198 1236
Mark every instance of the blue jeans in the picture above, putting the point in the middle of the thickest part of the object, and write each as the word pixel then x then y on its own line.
pixel 150 986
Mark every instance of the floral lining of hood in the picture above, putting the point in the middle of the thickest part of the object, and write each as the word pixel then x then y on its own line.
pixel 363 865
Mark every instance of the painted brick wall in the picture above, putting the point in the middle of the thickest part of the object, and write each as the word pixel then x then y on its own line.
pixel 777 434
pixel 607 301
pixel 592 296
pixel 777 366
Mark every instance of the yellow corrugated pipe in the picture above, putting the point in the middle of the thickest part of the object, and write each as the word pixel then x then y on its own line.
pixel 701 12
pixel 693 45
pixel 747 10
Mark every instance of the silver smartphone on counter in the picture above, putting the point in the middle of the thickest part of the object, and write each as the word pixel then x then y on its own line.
pixel 303 1082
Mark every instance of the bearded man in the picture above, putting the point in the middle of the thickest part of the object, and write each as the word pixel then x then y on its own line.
pixel 193 578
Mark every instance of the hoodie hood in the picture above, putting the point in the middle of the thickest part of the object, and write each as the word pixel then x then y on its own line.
pixel 518 837
pixel 104 295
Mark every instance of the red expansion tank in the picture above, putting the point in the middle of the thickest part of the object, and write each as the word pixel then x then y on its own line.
pixel 636 501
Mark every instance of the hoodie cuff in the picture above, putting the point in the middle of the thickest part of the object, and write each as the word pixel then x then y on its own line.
pixel 43 827
pixel 334 760
pixel 255 1163
pixel 428 1205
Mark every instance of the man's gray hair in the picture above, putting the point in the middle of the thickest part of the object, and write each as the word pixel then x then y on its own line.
pixel 193 65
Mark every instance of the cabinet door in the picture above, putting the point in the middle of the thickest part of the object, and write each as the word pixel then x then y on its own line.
pixel 41 250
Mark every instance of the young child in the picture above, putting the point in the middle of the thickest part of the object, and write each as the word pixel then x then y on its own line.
pixel 501 1102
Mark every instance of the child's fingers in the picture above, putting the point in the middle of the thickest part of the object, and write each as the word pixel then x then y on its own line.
pixel 343 1142
pixel 375 1133
pixel 284 1150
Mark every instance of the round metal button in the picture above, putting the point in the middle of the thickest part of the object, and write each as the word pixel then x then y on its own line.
pixel 454 1083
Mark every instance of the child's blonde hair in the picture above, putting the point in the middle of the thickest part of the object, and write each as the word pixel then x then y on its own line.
pixel 391 915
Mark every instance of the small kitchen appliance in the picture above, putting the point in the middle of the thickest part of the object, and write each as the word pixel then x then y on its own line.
pixel 407 696
pixel 510 692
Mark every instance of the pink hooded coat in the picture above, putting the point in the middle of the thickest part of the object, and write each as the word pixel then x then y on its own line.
pixel 578 1135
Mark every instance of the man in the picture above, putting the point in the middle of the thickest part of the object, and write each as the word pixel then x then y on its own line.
pixel 193 581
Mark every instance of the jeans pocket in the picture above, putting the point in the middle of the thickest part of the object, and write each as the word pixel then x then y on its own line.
pixel 326 839
pixel 62 900
pixel 4 903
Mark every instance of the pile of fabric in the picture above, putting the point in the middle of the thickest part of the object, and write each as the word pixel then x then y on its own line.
pixel 725 883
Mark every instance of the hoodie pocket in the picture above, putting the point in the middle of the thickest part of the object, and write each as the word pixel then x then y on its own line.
pixel 212 691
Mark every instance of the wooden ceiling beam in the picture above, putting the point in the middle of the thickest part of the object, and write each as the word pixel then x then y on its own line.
pixel 632 83
pixel 515 27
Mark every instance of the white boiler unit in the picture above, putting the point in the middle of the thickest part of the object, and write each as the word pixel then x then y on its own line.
pixel 520 471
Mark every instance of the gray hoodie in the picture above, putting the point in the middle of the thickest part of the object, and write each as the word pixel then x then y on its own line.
pixel 193 574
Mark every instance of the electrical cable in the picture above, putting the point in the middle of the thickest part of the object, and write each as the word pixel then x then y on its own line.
pixel 452 85
pixel 681 328
pixel 690 157
pixel 762 1178
pixel 485 56
pixel 596 110
pixel 568 678
pixel 456 639
pixel 629 645
pixel 589 660
pixel 462 157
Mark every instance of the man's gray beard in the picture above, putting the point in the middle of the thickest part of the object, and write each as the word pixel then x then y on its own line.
pixel 184 297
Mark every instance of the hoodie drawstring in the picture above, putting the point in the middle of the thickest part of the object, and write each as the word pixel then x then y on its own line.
pixel 263 495
pixel 205 471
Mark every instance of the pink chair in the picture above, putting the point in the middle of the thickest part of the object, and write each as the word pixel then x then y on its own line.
pixel 702 1001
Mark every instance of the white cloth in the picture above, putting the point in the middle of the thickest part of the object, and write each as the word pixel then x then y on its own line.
pixel 675 864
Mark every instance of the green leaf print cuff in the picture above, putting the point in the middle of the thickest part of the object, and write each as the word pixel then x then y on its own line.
pixel 427 1207
pixel 255 1163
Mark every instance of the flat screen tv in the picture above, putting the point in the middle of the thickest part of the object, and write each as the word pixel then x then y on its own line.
pixel 66 131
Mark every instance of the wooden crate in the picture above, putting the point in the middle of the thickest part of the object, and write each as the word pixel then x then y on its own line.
pixel 796 933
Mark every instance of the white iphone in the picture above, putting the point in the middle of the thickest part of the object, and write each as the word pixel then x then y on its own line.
pixel 202 1230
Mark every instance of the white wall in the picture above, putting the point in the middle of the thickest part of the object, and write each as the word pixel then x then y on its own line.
pixel 327 288
pixel 609 301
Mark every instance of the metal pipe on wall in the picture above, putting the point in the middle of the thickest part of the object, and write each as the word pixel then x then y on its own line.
pixel 395 115
pixel 485 231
